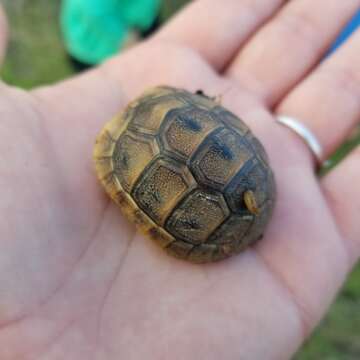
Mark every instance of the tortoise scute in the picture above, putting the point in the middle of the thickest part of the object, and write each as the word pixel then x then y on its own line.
pixel 185 129
pixel 158 192
pixel 219 158
pixel 179 166
pixel 197 217
pixel 131 155
pixel 150 114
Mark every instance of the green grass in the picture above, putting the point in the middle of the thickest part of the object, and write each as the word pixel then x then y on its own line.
pixel 338 337
pixel 36 56
pixel 169 8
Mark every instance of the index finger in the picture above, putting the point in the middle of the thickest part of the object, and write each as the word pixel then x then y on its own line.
pixel 216 29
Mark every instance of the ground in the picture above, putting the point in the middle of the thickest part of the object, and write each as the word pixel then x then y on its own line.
pixel 36 56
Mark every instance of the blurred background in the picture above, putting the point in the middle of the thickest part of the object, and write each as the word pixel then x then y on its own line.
pixel 47 45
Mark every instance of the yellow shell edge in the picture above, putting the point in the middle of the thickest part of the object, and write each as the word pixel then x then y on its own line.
pixel 102 155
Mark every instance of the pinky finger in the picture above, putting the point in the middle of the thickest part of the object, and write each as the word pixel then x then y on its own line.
pixel 342 190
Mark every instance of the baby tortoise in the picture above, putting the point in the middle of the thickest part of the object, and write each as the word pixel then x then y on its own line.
pixel 188 173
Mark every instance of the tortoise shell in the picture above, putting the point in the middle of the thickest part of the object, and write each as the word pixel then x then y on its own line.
pixel 188 173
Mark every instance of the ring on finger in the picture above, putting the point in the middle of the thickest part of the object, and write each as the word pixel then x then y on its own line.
pixel 305 134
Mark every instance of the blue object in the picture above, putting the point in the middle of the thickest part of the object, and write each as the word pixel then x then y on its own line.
pixel 349 29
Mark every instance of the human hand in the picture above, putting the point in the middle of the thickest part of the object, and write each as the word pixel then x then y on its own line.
pixel 77 282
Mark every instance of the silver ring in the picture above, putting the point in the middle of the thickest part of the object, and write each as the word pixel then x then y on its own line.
pixel 305 134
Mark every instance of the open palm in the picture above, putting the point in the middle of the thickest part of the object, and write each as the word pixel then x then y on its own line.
pixel 76 280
